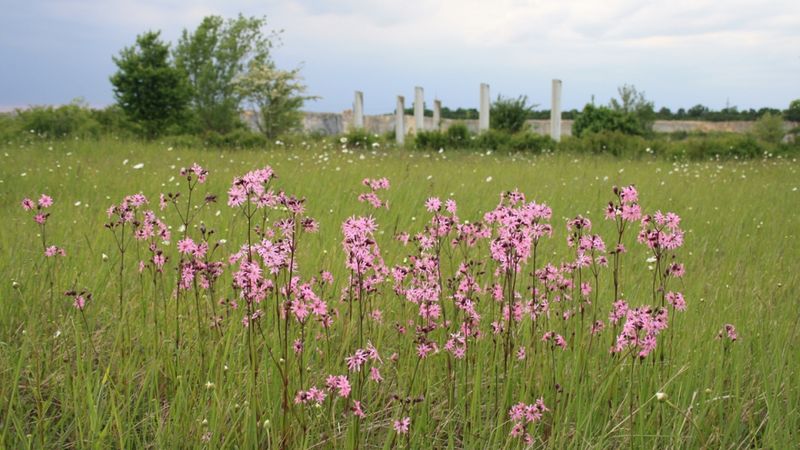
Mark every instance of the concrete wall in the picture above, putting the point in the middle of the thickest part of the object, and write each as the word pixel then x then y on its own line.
pixel 337 123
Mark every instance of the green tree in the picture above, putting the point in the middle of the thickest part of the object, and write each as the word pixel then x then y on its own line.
pixel 596 119
pixel 275 95
pixel 769 128
pixel 633 103
pixel 792 114
pixel 697 111
pixel 212 57
pixel 147 87
pixel 509 114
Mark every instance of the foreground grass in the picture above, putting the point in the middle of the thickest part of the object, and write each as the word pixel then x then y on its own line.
pixel 111 383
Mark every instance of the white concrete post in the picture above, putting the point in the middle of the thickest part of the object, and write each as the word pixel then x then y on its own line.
pixel 419 110
pixel 437 115
pixel 358 110
pixel 555 112
pixel 483 117
pixel 399 129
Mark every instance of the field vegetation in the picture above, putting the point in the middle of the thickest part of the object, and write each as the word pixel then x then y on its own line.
pixel 343 293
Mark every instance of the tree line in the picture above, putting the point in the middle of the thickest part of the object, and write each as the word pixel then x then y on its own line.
pixel 205 83
pixel 698 112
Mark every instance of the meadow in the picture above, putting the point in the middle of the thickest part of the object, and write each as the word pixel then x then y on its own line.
pixel 330 331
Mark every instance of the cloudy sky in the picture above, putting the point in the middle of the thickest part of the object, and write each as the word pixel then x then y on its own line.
pixel 680 52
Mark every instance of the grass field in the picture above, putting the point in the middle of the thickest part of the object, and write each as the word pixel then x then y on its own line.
pixel 153 373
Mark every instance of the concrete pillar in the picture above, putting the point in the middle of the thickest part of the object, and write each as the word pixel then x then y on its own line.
pixel 555 112
pixel 399 129
pixel 358 110
pixel 437 115
pixel 483 117
pixel 419 110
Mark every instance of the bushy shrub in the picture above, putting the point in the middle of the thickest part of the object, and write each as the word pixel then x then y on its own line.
pixel 769 128
pixel 434 140
pixel 9 127
pixel 726 146
pixel 509 114
pixel 792 113
pixel 113 120
pixel 595 119
pixel 74 119
pixel 493 140
pixel 612 142
pixel 240 138
pixel 360 138
pixel 528 141
pixel 497 140
pixel 458 134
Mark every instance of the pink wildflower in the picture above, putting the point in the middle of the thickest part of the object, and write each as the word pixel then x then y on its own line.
pixel 45 201
pixel 728 331
pixel 401 426
pixel 339 383
pixel 357 409
pixel 375 374
pixel 54 251
pixel 433 204
pixel 676 300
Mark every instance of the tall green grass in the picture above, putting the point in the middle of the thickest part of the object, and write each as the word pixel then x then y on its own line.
pixel 106 383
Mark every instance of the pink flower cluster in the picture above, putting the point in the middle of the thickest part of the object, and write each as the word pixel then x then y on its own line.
pixel 253 186
pixel 556 339
pixel 661 231
pixel 306 302
pixel 371 197
pixel 361 356
pixel 313 395
pixel 249 281
pixel 626 207
pixel 519 225
pixel 338 383
pixel 642 326
pixel 54 251
pixel 363 257
pixel 40 217
pixel 523 414
pixel 195 171
pixel 44 202
pixel 151 228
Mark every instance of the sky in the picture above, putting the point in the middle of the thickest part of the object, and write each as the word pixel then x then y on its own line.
pixel 743 53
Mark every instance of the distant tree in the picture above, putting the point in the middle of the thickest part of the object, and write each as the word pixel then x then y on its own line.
pixel 151 91
pixel 459 114
pixel 697 111
pixel 595 119
pixel 275 95
pixel 212 57
pixel 633 103
pixel 509 114
pixel 568 115
pixel 769 128
pixel 792 114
